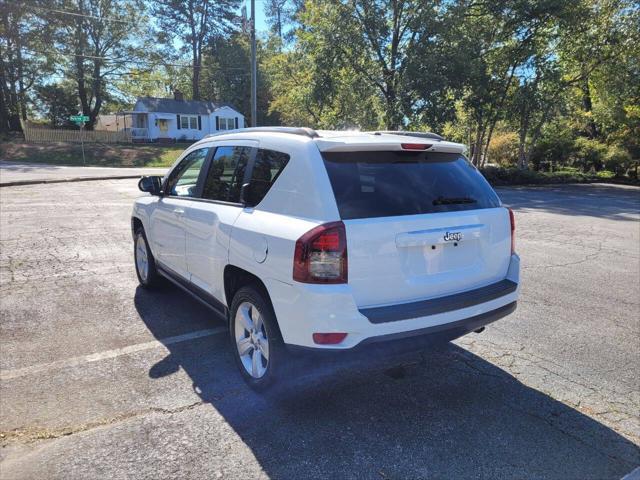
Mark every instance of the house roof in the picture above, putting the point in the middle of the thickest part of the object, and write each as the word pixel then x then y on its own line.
pixel 169 105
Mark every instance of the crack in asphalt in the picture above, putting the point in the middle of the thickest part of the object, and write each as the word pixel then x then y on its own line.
pixel 34 434
pixel 596 397
pixel 588 257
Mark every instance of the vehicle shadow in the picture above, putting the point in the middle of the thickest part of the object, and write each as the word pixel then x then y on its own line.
pixel 445 414
pixel 614 202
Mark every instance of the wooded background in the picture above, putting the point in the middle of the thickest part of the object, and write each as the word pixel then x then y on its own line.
pixel 542 84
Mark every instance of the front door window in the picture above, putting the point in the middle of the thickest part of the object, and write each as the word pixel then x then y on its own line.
pixel 184 178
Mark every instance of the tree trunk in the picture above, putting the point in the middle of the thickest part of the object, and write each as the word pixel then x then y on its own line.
pixel 587 104
pixel 4 97
pixel 96 93
pixel 392 117
pixel 195 82
pixel 195 78
pixel 486 147
pixel 22 101
pixel 279 22
pixel 476 149
pixel 522 150
pixel 522 153
pixel 11 97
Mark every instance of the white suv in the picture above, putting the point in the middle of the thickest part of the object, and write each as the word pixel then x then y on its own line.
pixel 326 240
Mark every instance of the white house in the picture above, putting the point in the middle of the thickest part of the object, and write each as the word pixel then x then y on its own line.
pixel 173 119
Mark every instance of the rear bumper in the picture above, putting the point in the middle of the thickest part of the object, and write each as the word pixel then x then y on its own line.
pixel 424 308
pixel 304 309
pixel 414 340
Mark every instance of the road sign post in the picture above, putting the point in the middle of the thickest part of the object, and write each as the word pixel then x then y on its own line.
pixel 80 121
pixel 84 161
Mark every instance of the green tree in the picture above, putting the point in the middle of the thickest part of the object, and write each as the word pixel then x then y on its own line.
pixel 23 37
pixel 500 42
pixel 158 81
pixel 376 42
pixel 312 86
pixel 96 41
pixel 57 102
pixel 192 23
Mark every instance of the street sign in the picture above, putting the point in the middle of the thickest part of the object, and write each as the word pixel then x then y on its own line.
pixel 80 120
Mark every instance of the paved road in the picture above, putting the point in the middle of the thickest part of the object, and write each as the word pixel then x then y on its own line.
pixel 100 379
pixel 32 172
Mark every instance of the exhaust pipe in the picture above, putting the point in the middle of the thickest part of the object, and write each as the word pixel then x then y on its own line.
pixel 480 330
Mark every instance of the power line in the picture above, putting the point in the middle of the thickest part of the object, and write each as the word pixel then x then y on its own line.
pixel 116 61
pixel 77 14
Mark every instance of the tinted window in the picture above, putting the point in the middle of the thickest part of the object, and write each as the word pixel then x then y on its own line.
pixel 184 178
pixel 226 174
pixel 266 169
pixel 384 184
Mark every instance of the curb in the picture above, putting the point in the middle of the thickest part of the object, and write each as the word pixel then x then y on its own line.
pixel 18 183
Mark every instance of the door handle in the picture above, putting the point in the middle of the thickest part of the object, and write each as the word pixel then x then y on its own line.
pixel 178 211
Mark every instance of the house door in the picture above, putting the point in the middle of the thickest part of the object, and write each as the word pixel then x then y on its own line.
pixel 163 124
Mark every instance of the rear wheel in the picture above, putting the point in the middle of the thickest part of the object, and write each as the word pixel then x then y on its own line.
pixel 145 263
pixel 255 338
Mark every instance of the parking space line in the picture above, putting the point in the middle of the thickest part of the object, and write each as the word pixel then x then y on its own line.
pixel 107 354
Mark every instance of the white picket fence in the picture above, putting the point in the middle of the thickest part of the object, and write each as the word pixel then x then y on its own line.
pixel 50 135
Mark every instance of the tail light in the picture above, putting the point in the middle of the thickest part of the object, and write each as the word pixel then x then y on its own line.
pixel 513 231
pixel 321 255
pixel 415 146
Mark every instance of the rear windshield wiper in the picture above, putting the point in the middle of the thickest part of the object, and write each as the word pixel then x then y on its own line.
pixel 453 200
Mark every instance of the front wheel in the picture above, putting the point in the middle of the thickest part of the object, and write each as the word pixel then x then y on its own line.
pixel 255 338
pixel 145 263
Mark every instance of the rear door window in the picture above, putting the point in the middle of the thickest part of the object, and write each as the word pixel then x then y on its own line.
pixel 267 168
pixel 384 184
pixel 226 174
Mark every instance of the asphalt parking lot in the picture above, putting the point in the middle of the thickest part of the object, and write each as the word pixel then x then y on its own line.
pixel 101 379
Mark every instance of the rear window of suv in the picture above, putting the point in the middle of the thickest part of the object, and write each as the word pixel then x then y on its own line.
pixel 385 184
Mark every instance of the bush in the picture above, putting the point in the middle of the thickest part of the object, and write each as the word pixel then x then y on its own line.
pixel 605 174
pixel 617 160
pixel 554 149
pixel 510 176
pixel 503 149
pixel 498 176
pixel 589 154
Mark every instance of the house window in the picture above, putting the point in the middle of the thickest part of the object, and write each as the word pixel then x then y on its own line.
pixel 189 121
pixel 227 123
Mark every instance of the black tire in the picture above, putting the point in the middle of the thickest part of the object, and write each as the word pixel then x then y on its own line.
pixel 276 352
pixel 152 278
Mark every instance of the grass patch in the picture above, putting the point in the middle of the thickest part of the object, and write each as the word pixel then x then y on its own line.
pixel 97 155
pixel 497 176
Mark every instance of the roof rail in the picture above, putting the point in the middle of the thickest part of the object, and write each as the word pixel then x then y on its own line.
pixel 304 131
pixel 432 136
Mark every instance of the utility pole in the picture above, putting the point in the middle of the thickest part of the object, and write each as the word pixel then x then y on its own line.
pixel 254 76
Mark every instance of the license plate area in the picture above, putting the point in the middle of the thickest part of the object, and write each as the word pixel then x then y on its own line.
pixel 440 257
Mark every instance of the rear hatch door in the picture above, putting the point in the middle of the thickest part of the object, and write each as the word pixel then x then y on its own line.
pixel 419 225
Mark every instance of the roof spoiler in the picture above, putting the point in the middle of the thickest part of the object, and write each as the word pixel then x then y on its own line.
pixel 429 135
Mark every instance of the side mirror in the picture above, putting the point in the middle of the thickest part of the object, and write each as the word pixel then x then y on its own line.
pixel 151 184
pixel 245 195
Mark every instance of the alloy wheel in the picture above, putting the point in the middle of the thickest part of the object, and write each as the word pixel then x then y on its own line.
pixel 142 260
pixel 251 340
